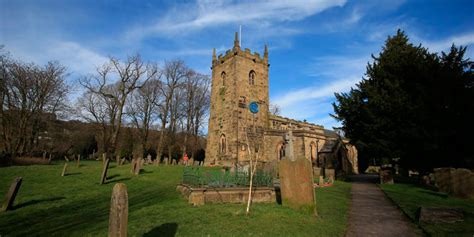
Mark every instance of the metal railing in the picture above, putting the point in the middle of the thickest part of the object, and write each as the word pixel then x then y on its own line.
pixel 202 177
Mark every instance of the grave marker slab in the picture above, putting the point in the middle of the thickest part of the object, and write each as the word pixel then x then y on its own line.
pixel 64 170
pixel 104 171
pixel 386 177
pixel 11 194
pixel 118 218
pixel 78 161
pixel 296 183
pixel 440 215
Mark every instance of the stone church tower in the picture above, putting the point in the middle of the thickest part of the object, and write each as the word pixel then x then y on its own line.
pixel 238 78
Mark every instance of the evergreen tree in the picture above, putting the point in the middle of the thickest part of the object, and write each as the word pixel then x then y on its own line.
pixel 413 105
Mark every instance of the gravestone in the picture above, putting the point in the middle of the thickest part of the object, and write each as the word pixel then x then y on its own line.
pixel 78 161
pixel 44 155
pixel 64 170
pixel 104 157
pixel 321 180
pixel 386 176
pixel 122 161
pixel 118 217
pixel 440 215
pixel 50 158
pixel 463 183
pixel 317 172
pixel 148 159
pixel 136 166
pixel 65 157
pixel 103 177
pixel 330 174
pixel 117 159
pixel 174 162
pixel 11 194
pixel 165 161
pixel 191 161
pixel 296 185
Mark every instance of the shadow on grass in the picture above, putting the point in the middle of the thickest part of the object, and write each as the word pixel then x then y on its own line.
pixel 112 176
pixel 69 174
pixel 36 201
pixel 117 180
pixel 438 194
pixel 166 229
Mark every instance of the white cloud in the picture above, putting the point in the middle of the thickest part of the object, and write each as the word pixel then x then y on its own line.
pixel 334 75
pixel 211 14
pixel 444 44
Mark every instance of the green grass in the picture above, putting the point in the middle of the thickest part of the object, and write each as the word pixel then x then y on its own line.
pixel 76 205
pixel 410 197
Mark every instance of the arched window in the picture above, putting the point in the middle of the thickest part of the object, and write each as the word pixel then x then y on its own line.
pixel 222 144
pixel 281 150
pixel 223 76
pixel 252 76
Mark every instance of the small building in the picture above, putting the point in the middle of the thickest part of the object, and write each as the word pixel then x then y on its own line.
pixel 240 77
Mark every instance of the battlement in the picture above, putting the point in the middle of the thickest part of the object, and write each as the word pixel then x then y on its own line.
pixel 237 51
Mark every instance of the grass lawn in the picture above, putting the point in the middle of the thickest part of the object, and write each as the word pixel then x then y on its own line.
pixel 410 197
pixel 76 205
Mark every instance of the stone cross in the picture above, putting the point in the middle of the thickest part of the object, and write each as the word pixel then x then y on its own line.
pixel 118 217
pixel 64 169
pixel 10 196
pixel 296 184
pixel 104 171
pixel 289 145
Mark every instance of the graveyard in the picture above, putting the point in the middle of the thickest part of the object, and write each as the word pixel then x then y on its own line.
pixel 76 204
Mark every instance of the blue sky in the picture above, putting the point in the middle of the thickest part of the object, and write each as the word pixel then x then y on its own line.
pixel 316 48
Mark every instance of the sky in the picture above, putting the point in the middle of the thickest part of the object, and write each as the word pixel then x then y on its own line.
pixel 316 47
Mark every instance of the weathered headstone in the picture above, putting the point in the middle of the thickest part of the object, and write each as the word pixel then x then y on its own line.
pixel 330 174
pixel 44 155
pixel 165 161
pixel 386 176
pixel 148 159
pixel 117 159
pixel 103 177
pixel 50 158
pixel 296 184
pixel 463 183
pixel 64 170
pixel 321 180
pixel 440 215
pixel 317 172
pixel 11 194
pixel 118 218
pixel 65 157
pixel 174 162
pixel 122 161
pixel 104 158
pixel 78 161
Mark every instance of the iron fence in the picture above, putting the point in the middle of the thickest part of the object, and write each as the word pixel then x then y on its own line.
pixel 202 177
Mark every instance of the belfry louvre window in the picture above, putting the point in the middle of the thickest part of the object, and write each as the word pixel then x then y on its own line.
pixel 223 76
pixel 222 145
pixel 252 76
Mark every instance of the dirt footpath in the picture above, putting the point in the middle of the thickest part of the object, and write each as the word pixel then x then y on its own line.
pixel 372 214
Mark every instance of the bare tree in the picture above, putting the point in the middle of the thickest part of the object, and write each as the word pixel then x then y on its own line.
pixel 174 73
pixel 130 75
pixel 196 104
pixel 275 109
pixel 143 108
pixel 30 96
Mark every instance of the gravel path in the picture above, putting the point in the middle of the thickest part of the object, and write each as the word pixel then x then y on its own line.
pixel 372 214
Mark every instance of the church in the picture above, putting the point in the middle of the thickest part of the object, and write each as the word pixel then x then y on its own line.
pixel 241 125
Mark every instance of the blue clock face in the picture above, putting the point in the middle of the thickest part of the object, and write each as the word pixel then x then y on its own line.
pixel 253 106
